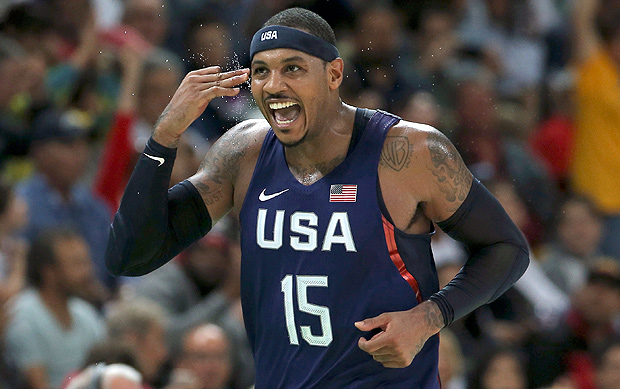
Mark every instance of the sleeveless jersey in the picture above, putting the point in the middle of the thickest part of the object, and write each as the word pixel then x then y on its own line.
pixel 318 258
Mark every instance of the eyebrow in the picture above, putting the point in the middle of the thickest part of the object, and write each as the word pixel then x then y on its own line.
pixel 296 58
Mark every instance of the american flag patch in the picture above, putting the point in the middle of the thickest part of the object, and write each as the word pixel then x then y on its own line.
pixel 343 193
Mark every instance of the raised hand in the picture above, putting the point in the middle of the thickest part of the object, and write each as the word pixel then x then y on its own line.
pixel 402 335
pixel 197 89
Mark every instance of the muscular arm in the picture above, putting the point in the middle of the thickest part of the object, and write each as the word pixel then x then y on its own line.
pixel 227 165
pixel 465 210
pixel 441 186
pixel 153 225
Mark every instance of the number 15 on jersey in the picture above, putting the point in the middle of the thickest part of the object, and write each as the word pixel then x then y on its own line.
pixel 303 283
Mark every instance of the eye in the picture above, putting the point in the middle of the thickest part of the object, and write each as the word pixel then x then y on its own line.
pixel 258 71
pixel 292 68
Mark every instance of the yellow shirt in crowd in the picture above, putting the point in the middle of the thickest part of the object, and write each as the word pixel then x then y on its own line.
pixel 596 160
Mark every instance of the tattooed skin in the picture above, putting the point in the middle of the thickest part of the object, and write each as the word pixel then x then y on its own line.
pixel 396 153
pixel 222 163
pixel 433 318
pixel 447 165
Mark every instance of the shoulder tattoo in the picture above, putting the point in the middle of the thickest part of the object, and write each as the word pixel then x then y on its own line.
pixel 448 167
pixel 396 153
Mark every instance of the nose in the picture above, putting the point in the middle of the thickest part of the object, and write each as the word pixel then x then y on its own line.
pixel 274 84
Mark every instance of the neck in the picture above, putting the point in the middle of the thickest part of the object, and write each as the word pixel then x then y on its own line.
pixel 325 147
pixel 63 190
pixel 57 303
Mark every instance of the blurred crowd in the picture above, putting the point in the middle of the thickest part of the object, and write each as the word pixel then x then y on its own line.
pixel 527 90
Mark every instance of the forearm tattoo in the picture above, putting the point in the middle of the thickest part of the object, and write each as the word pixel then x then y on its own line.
pixel 447 165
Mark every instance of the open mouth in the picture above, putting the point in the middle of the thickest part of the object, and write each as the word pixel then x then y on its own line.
pixel 285 113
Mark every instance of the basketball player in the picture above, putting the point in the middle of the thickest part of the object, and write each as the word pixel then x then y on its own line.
pixel 339 287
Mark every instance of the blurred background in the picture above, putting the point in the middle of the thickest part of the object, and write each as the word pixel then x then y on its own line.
pixel 527 90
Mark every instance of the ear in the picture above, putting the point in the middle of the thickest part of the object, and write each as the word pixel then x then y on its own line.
pixel 335 73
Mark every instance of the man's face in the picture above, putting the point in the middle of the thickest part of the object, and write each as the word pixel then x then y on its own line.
pixel 206 353
pixel 158 86
pixel 73 268
pixel 152 351
pixel 290 88
pixel 608 374
pixel 63 161
pixel 11 76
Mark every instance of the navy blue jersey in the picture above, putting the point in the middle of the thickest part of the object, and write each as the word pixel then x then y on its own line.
pixel 320 257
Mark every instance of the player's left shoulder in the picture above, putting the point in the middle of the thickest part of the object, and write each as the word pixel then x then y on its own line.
pixel 407 145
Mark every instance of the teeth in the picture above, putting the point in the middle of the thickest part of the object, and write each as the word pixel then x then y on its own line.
pixel 281 105
pixel 284 122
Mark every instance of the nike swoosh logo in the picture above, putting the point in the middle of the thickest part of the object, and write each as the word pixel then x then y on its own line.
pixel 263 197
pixel 158 159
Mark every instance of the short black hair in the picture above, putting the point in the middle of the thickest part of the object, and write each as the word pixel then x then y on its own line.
pixel 42 253
pixel 305 20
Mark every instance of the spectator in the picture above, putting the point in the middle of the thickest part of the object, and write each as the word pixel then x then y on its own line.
pixel 209 42
pixel 140 324
pixel 552 141
pixel 590 324
pixel 56 194
pixel 30 24
pixel 380 60
pixel 575 247
pixel 597 115
pixel 608 367
pixel 106 352
pixel 422 107
pixel 207 354
pixel 13 216
pixel 149 18
pixel 51 330
pixel 202 285
pixel 499 368
pixel 86 78
pixel 451 362
pixel 13 130
pixel 548 302
pixel 148 81
pixel 492 156
pixel 102 376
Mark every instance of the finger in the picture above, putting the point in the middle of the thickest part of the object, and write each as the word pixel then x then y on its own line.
pixel 376 343
pixel 385 350
pixel 207 70
pixel 218 91
pixel 227 83
pixel 374 322
pixel 217 79
pixel 394 364
pixel 212 76
pixel 385 358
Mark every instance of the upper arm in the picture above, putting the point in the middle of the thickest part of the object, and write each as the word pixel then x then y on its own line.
pixel 427 174
pixel 449 180
pixel 223 165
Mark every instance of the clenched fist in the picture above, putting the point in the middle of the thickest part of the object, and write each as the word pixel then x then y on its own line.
pixel 402 334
